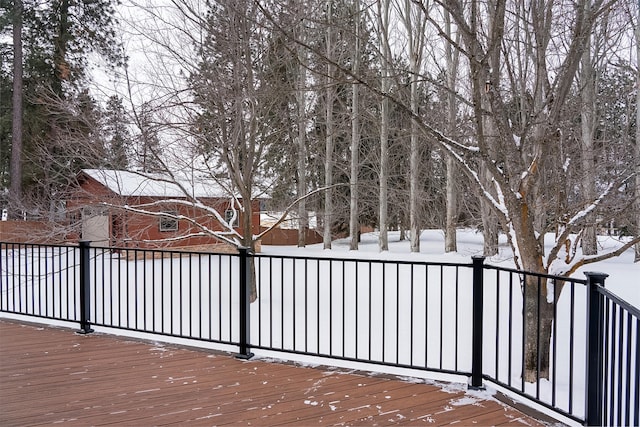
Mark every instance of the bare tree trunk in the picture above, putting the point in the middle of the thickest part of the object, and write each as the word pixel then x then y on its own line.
pixel 328 165
pixel 490 136
pixel 247 234
pixel 451 194
pixel 538 328
pixel 354 225
pixel 414 164
pixel 383 241
pixel 61 67
pixel 587 123
pixel 302 149
pixel 489 221
pixel 489 217
pixel 538 308
pixel 451 220
pixel 414 224
pixel 415 34
pixel 16 125
pixel 637 150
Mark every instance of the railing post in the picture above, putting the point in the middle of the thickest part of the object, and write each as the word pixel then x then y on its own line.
pixel 245 303
pixel 85 289
pixel 476 338
pixel 595 331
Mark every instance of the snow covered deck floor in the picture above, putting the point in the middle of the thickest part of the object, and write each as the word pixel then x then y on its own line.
pixel 52 375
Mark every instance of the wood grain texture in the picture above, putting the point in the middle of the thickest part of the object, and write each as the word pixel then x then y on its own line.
pixel 52 375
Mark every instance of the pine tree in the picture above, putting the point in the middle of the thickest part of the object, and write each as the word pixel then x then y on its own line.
pixel 149 152
pixel 58 37
pixel 118 135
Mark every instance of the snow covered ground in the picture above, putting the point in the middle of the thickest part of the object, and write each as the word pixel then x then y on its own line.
pixel 623 280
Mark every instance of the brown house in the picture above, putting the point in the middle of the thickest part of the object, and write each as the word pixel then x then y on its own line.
pixel 131 209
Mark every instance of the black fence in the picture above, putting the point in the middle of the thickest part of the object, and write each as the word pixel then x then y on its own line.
pixel 575 350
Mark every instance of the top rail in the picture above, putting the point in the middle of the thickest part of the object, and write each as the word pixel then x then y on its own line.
pixel 533 274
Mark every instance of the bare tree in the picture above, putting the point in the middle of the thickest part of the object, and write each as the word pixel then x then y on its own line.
pixel 211 114
pixel 637 145
pixel 329 138
pixel 452 60
pixel 301 104
pixel 354 224
pixel 588 123
pixel 602 39
pixel 516 159
pixel 414 20
pixel 385 83
pixel 229 92
pixel 16 118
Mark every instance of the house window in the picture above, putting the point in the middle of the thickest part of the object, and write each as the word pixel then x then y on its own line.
pixel 168 223
pixel 228 216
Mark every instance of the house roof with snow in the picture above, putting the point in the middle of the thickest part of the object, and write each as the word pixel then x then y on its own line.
pixel 138 184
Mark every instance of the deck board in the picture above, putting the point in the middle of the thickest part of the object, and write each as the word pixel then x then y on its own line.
pixel 50 375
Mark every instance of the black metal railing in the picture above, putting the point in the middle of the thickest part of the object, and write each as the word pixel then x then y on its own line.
pixel 471 319
pixel 535 337
pixel 172 293
pixel 403 314
pixel 40 281
pixel 613 349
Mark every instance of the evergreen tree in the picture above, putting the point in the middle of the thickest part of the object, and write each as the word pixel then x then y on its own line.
pixel 58 37
pixel 148 143
pixel 118 135
pixel 5 120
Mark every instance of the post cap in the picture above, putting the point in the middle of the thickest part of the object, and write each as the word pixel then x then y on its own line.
pixel 596 276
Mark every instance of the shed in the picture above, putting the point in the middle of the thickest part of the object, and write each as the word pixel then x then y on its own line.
pixel 125 209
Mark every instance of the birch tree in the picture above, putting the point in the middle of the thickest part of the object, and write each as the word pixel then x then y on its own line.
pixel 354 224
pixel 329 124
pixel 301 103
pixel 385 86
pixel 588 122
pixel 606 37
pixel 452 56
pixel 414 20
pixel 637 145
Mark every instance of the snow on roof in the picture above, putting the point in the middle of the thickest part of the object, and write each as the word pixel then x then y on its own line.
pixel 137 184
pixel 269 218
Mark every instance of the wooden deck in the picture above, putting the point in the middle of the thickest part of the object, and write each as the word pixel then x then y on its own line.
pixel 52 375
